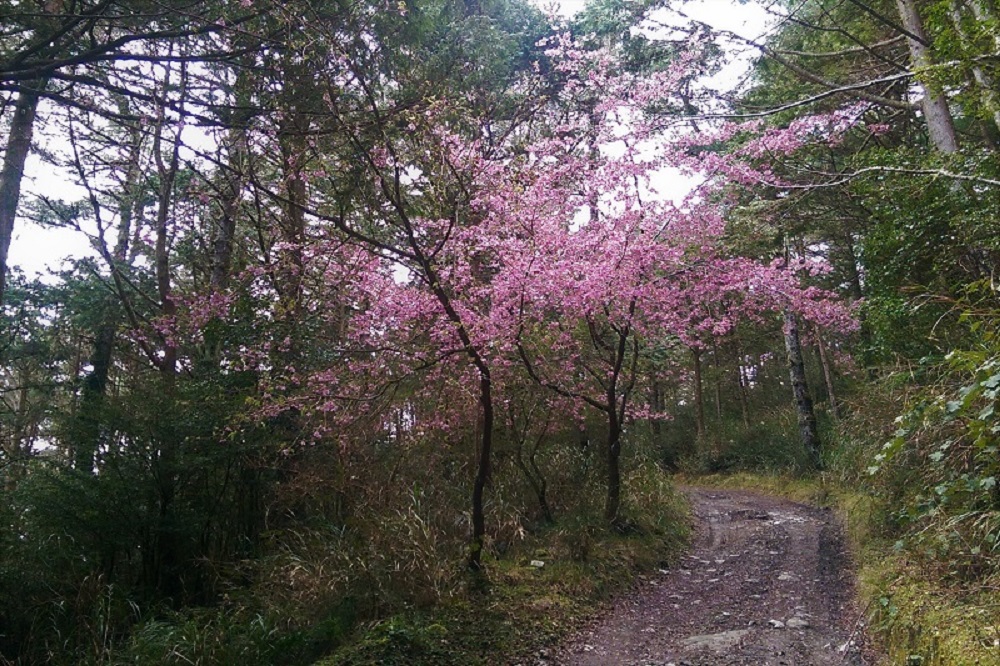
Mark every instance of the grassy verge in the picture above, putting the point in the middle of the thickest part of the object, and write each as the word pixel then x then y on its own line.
pixel 915 616
pixel 513 611
pixel 925 623
pixel 523 604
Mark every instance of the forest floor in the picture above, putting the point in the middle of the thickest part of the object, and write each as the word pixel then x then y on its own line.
pixel 767 582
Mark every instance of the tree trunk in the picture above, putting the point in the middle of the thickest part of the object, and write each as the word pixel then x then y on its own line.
pixel 986 84
pixel 238 150
pixel 717 380
pixel 824 360
pixel 22 127
pixel 289 281
pixel 656 400
pixel 699 395
pixel 224 232
pixel 88 435
pixel 612 503
pixel 484 464
pixel 534 476
pixel 800 390
pixel 538 484
pixel 741 383
pixel 984 11
pixel 937 115
pixel 483 470
pixel 166 555
pixel 853 268
pixel 223 235
pixel 168 309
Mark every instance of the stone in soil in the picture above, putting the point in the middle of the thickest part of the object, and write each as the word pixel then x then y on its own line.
pixel 782 560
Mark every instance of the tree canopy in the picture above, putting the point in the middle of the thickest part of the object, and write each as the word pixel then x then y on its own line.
pixel 380 286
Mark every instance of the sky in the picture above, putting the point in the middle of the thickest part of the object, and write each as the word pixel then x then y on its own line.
pixel 37 250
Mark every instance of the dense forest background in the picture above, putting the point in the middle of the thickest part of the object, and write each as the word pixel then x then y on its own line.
pixel 386 299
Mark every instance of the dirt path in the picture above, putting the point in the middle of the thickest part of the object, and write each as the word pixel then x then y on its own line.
pixel 765 584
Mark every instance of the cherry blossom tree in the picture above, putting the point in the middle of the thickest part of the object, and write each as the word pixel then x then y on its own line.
pixel 555 255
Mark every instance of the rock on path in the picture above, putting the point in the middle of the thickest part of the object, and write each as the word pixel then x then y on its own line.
pixel 767 583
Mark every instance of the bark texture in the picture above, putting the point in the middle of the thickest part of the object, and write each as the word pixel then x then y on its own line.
pixel 22 127
pixel 800 390
pixel 937 115
pixel 699 394
pixel 824 359
pixel 985 82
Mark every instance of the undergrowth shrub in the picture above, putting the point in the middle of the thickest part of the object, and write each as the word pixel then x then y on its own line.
pixel 204 636
pixel 539 588
pixel 367 548
pixel 940 469
pixel 655 506
pixel 926 444
pixel 770 442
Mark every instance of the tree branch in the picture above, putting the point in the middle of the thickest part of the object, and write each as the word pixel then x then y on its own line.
pixel 842 178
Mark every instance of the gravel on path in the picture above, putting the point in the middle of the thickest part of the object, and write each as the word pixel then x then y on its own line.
pixel 766 583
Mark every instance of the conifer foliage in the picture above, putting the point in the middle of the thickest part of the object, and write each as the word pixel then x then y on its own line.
pixel 376 289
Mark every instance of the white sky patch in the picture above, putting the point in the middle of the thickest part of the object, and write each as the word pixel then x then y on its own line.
pixel 580 219
pixel 38 250
pixel 747 20
pixel 565 8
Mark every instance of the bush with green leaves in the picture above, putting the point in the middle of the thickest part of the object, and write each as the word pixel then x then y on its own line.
pixel 941 466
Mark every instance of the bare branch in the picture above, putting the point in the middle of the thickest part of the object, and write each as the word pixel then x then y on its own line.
pixel 845 89
pixel 842 178
pixel 856 90
pixel 846 52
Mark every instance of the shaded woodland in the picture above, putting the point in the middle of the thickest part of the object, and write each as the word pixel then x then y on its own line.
pixel 384 300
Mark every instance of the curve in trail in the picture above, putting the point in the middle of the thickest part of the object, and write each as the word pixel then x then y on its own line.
pixel 767 583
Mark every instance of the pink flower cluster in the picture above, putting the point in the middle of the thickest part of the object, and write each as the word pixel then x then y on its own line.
pixel 556 262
